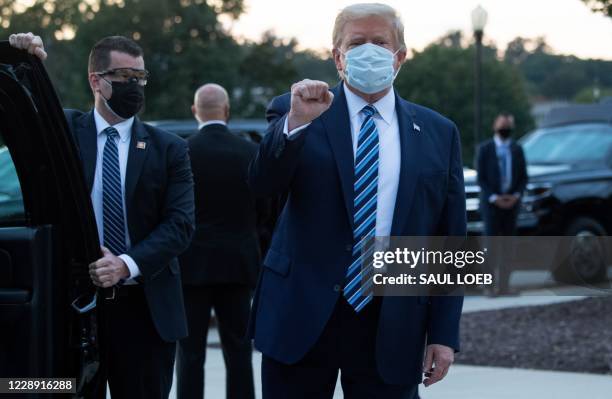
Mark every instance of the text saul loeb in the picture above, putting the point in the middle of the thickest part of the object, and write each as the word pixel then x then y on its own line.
pixel 406 260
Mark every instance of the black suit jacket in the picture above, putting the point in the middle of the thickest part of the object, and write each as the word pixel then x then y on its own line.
pixel 160 212
pixel 225 248
pixel 489 177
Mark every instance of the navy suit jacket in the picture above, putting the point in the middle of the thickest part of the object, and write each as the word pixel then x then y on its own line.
pixel 312 244
pixel 159 208
pixel 489 175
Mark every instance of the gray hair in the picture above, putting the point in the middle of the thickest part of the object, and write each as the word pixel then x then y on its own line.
pixel 364 10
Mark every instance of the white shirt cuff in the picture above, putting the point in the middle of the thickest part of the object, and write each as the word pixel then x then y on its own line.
pixel 131 265
pixel 492 198
pixel 290 134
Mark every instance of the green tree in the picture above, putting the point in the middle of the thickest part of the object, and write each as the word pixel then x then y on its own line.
pixel 270 66
pixel 184 44
pixel 310 65
pixel 602 6
pixel 442 77
pixel 566 80
pixel 550 76
pixel 516 52
pixel 594 94
pixel 266 70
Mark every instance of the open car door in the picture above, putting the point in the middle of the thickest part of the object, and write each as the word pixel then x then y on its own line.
pixel 48 235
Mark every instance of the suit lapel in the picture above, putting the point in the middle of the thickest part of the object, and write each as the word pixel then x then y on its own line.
pixel 411 146
pixel 137 154
pixel 87 138
pixel 338 128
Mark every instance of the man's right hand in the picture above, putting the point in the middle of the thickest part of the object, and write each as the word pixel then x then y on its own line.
pixel 30 42
pixel 309 99
pixel 506 201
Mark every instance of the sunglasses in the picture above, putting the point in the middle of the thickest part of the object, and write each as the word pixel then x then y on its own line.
pixel 127 74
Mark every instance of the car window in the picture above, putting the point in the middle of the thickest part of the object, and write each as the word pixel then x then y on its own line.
pixel 568 144
pixel 11 199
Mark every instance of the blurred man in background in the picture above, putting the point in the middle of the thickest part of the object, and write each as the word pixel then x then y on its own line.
pixel 502 176
pixel 220 267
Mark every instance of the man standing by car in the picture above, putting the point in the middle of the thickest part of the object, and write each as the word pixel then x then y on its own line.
pixel 142 195
pixel 220 267
pixel 502 176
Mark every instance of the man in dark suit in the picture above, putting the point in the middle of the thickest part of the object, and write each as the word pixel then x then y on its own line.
pixel 142 194
pixel 502 176
pixel 220 267
pixel 357 162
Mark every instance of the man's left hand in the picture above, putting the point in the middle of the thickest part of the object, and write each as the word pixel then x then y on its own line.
pixel 438 359
pixel 108 270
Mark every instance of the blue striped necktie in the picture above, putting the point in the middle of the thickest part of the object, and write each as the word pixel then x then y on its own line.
pixel 358 288
pixel 112 199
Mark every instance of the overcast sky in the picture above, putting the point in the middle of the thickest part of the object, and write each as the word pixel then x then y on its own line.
pixel 568 25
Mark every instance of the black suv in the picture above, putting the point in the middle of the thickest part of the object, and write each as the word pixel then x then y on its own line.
pixel 569 163
pixel 250 129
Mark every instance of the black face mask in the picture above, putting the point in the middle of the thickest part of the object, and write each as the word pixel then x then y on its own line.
pixel 505 133
pixel 127 98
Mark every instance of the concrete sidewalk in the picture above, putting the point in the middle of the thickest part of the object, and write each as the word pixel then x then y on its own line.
pixel 466 382
pixel 463 382
pixel 472 382
pixel 526 298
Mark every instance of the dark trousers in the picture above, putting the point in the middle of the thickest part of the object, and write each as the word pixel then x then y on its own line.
pixel 501 222
pixel 232 303
pixel 348 345
pixel 138 363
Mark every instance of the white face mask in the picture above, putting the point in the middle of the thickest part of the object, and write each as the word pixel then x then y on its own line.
pixel 369 68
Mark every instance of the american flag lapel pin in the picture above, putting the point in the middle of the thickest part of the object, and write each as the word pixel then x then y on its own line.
pixel 141 145
pixel 416 127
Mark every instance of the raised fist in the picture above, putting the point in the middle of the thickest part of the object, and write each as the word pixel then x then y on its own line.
pixel 309 99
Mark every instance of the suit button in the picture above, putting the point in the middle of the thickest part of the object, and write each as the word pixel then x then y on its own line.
pixel 348 247
pixel 337 288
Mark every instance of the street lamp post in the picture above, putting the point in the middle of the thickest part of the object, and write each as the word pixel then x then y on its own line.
pixel 479 21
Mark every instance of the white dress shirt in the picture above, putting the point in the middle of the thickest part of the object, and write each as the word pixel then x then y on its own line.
pixel 389 151
pixel 125 133
pixel 211 122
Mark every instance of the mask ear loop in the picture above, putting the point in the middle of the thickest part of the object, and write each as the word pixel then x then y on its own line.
pixel 110 84
pixel 106 100
pixel 343 72
pixel 400 67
